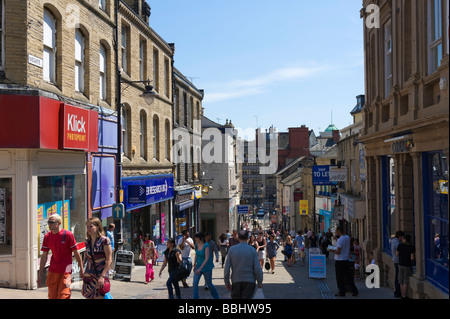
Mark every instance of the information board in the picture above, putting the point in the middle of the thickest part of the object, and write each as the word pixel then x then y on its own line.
pixel 317 266
pixel 161 248
pixel 123 265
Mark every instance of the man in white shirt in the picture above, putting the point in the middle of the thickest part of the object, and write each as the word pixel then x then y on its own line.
pixel 186 243
pixel 342 265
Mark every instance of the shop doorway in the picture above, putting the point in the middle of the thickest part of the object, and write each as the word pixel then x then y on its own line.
pixel 208 224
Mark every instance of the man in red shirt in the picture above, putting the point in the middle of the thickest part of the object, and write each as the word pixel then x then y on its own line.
pixel 62 243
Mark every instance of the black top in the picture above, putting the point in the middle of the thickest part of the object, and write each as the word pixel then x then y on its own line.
pixel 171 257
pixel 404 254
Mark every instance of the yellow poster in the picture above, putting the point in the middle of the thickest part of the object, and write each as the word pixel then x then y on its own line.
pixel 303 207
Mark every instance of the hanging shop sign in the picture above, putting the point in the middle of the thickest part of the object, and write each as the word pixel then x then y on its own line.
pixel 329 175
pixel 243 209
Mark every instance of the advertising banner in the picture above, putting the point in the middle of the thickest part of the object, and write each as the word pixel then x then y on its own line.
pixel 303 207
pixel 317 266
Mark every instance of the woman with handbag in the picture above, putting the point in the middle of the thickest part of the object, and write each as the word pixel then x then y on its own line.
pixel 98 257
pixel 172 256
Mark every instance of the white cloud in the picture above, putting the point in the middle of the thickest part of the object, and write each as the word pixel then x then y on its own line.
pixel 241 88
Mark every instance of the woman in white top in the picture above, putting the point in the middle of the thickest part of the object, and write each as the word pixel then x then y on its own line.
pixel 223 243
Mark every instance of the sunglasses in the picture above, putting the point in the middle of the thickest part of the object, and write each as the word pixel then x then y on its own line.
pixel 52 222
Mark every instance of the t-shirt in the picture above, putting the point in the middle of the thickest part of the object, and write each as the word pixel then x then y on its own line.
pixel 172 260
pixel 201 256
pixel 61 245
pixel 404 254
pixel 186 252
pixel 344 243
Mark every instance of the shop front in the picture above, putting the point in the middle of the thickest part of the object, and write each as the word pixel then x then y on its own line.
pixel 148 206
pixel 43 147
pixel 185 217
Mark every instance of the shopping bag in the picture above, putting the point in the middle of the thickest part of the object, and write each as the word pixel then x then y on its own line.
pixel 258 294
pixel 108 296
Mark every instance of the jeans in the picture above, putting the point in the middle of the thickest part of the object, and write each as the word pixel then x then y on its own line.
pixel 187 263
pixel 397 291
pixel 173 282
pixel 208 281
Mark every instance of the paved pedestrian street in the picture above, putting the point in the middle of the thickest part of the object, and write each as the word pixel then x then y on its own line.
pixel 286 283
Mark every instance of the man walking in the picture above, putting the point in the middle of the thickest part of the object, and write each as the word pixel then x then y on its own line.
pixel 395 241
pixel 62 243
pixel 186 243
pixel 405 253
pixel 342 264
pixel 242 262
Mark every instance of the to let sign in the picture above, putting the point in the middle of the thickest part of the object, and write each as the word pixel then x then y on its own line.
pixel 76 128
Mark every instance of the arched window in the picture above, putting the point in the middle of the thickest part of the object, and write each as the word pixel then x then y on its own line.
pixel 168 139
pixel 79 60
pixel 125 131
pixel 103 82
pixel 143 134
pixel 49 61
pixel 156 137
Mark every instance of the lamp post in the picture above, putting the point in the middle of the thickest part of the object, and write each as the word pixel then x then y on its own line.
pixel 148 95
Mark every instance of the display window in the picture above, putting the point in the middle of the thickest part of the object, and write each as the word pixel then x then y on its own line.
pixel 436 219
pixel 389 201
pixel 64 195
pixel 5 216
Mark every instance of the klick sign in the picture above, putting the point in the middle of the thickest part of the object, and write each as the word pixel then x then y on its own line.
pixel 76 128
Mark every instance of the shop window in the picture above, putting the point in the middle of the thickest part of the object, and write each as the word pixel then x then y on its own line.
pixel 436 219
pixel 389 211
pixel 63 195
pixel 5 216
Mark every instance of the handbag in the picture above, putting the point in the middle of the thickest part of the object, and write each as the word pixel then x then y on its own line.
pixel 181 273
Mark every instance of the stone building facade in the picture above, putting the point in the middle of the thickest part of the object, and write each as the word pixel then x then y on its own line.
pixel 406 136
pixel 57 64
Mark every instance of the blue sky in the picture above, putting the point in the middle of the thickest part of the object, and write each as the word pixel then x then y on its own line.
pixel 284 63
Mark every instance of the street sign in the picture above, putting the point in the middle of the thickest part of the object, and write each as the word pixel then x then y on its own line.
pixel 118 210
pixel 243 209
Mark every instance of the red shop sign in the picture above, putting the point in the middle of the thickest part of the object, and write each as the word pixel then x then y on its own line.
pixel 76 128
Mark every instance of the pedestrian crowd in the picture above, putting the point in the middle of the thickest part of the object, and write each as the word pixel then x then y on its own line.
pixel 244 257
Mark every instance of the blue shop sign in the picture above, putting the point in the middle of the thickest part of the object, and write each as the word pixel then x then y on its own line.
pixel 321 175
pixel 142 191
